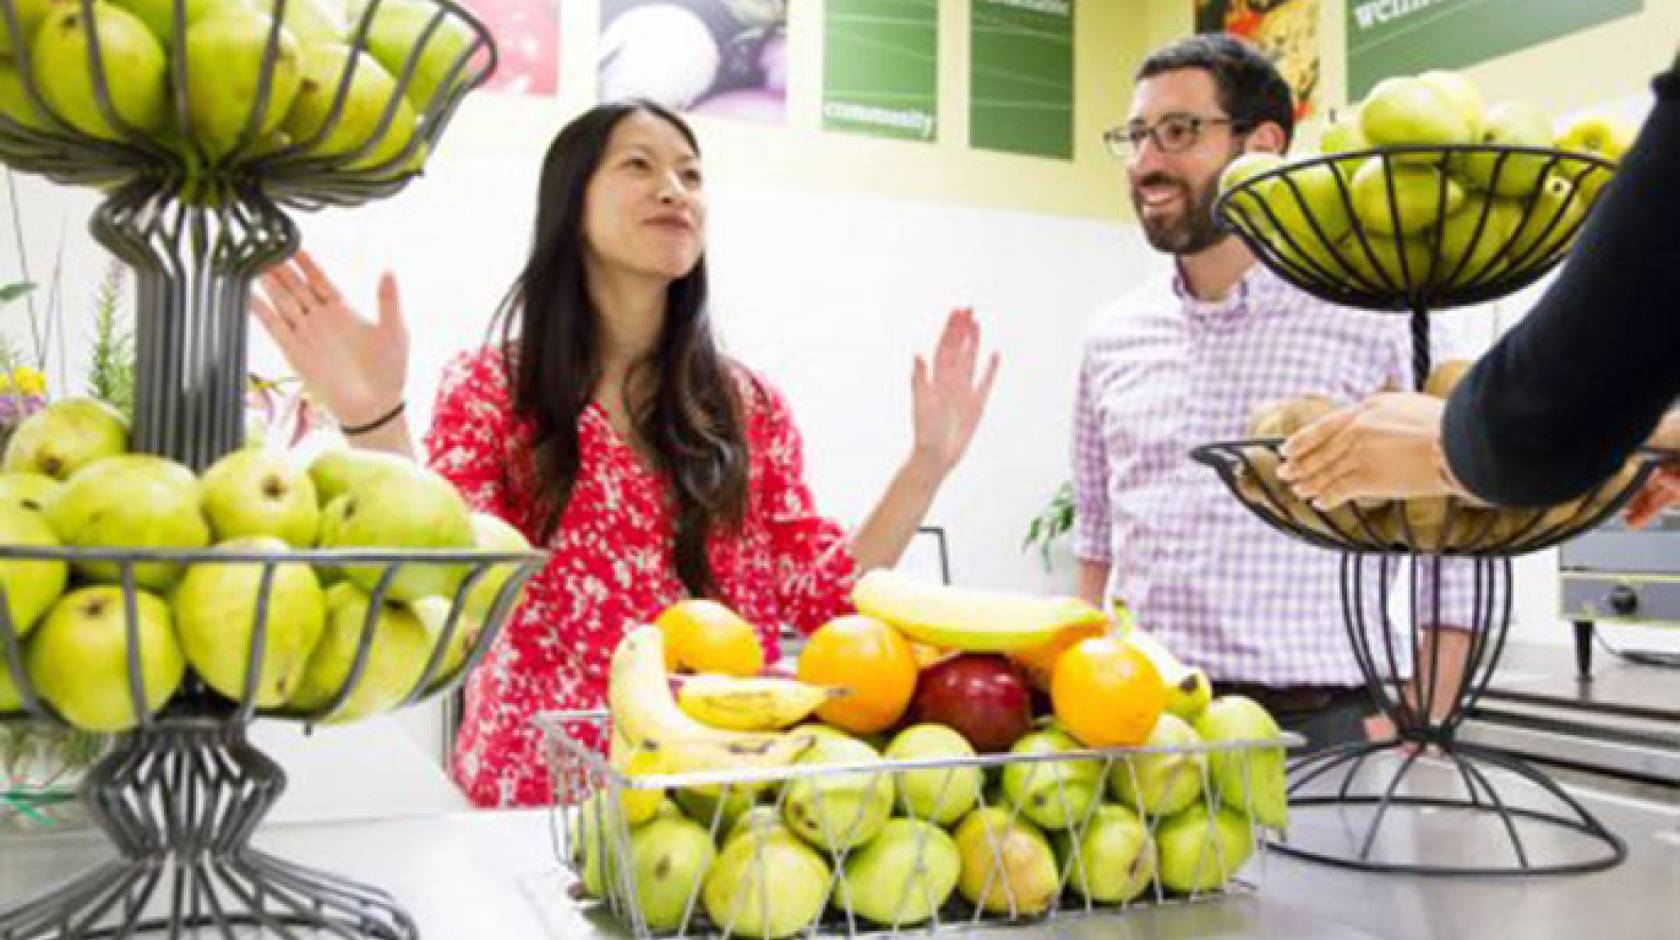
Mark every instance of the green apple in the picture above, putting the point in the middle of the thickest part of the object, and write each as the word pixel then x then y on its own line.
pixel 31 491
pixel 260 492
pixel 135 71
pixel 410 508
pixel 1250 780
pixel 371 90
pixel 394 35
pixel 159 15
pixel 64 437
pixel 131 501
pixel 1463 94
pixel 1417 198
pixel 30 14
pixel 226 52
pixel 338 471
pixel 1249 206
pixel 1476 255
pixel 940 795
pixel 31 586
pixel 78 658
pixel 1509 124
pixel 15 103
pixel 1161 783
pixel 1406 110
pixel 1549 225
pixel 215 610
pixel 1201 851
pixel 1116 857
pixel 396 657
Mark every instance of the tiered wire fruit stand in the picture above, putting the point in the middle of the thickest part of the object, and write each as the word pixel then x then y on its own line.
pixel 747 807
pixel 1349 797
pixel 183 793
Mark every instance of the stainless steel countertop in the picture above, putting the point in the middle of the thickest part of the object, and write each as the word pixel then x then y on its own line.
pixel 479 875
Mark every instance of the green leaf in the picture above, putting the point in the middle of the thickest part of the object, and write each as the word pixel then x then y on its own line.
pixel 11 292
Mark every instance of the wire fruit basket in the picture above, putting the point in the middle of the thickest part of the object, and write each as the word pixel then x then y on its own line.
pixel 202 124
pixel 902 846
pixel 1393 229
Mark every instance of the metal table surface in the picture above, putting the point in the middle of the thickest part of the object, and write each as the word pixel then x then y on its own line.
pixel 492 874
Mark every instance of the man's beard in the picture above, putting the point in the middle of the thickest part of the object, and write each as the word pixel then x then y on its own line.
pixel 1192 232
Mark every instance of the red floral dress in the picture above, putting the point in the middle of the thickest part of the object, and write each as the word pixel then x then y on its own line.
pixel 611 565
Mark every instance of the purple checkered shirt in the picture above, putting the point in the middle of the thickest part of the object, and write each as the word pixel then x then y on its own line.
pixel 1163 373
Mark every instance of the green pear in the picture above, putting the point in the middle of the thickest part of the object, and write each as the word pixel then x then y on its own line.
pixel 215 609
pixel 766 884
pixel 492 534
pixel 902 876
pixel 78 658
pixel 1600 133
pixel 1249 206
pixel 592 840
pixel 1548 226
pixel 1054 794
pixel 226 53
pixel 30 14
pixel 668 862
pixel 1405 110
pixel 1250 780
pixel 394 35
pixel 1163 783
pixel 11 700
pixel 260 492
pixel 1026 881
pixel 760 818
pixel 1473 245
pixel 1463 95
pixel 15 104
pixel 316 21
pixel 719 808
pixel 1383 268
pixel 338 471
pixel 1307 195
pixel 135 72
pixel 31 586
pixel 159 15
pixel 27 490
pixel 838 811
pixel 1116 858
pixel 1342 134
pixel 64 437
pixel 413 508
pixel 1417 198
pixel 434 613
pixel 395 660
pixel 371 90
pixel 1509 124
pixel 131 501
pixel 940 795
pixel 1202 851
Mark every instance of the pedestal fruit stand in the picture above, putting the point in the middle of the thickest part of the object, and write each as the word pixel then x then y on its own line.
pixel 203 128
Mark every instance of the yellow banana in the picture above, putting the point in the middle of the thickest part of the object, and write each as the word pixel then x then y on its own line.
pixel 645 712
pixel 966 619
pixel 751 704
pixel 1188 690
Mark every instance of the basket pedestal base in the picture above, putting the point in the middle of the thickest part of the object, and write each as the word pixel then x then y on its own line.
pixel 180 802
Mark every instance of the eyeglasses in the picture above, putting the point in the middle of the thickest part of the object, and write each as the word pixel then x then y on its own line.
pixel 1172 134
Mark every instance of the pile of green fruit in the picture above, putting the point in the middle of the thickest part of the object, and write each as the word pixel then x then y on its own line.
pixel 67 480
pixel 894 847
pixel 1437 191
pixel 231 50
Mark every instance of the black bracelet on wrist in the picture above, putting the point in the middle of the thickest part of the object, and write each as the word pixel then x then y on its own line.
pixel 375 424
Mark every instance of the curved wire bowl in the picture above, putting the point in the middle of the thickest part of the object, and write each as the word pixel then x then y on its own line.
pixel 1440 525
pixel 586 785
pixel 1402 251
pixel 453 51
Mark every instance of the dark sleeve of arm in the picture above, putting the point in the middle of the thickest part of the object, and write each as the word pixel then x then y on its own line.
pixel 1567 395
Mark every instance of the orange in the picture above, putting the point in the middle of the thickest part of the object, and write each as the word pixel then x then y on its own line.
pixel 869 659
pixel 1106 693
pixel 705 636
pixel 1039 662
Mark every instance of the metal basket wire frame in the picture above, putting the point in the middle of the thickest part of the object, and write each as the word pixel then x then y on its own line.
pixel 584 824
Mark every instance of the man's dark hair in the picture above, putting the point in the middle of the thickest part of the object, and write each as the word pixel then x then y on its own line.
pixel 1251 90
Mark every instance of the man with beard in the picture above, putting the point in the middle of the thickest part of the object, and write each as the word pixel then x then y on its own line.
pixel 1184 360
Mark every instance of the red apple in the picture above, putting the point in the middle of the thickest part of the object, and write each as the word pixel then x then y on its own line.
pixel 981 695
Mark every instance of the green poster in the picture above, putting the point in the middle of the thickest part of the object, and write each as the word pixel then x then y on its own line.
pixel 1400 37
pixel 881 68
pixel 1021 82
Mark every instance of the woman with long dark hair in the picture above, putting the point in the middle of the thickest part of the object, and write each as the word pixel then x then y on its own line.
pixel 605 423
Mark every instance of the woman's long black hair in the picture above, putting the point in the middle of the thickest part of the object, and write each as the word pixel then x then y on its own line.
pixel 685 405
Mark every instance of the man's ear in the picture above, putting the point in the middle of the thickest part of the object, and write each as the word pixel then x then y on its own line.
pixel 1267 138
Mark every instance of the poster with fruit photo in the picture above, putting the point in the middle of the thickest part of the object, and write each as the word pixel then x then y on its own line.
pixel 721 58
pixel 527 34
pixel 1287 30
